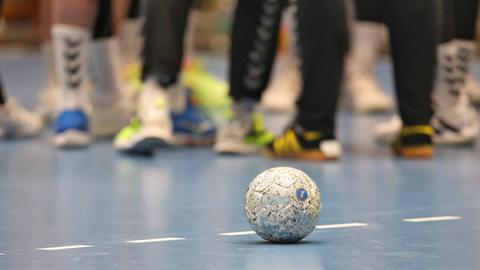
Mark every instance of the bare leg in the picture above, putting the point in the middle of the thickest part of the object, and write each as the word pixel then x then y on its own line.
pixel 74 12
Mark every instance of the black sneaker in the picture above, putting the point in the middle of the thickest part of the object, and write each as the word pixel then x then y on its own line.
pixel 415 142
pixel 298 143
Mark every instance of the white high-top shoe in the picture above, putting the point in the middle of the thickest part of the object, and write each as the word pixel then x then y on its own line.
pixel 50 96
pixel 71 48
pixel 112 105
pixel 455 120
pixel 18 122
pixel 469 49
pixel 152 127
pixel 284 89
pixel 362 92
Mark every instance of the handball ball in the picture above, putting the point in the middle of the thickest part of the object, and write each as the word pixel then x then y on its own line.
pixel 283 205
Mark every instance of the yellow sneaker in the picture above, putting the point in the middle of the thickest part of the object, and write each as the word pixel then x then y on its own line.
pixel 297 143
pixel 415 142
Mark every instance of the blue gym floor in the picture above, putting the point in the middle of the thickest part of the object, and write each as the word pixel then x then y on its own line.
pixel 82 209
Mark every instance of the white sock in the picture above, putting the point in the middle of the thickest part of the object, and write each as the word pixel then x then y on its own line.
pixel 71 48
pixel 153 95
pixel 243 110
pixel 131 40
pixel 367 38
pixel 51 76
pixel 177 97
pixel 105 70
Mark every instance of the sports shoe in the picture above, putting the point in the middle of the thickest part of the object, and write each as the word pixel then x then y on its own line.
pixel 18 122
pixel 445 132
pixel 362 92
pixel 50 97
pixel 192 126
pixel 467 49
pixel 473 88
pixel 298 143
pixel 72 129
pixel 209 91
pixel 49 103
pixel 241 136
pixel 71 46
pixel 455 120
pixel 112 103
pixel 284 89
pixel 151 128
pixel 414 142
pixel 386 132
pixel 364 95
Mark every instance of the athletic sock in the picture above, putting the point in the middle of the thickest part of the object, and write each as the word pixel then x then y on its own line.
pixel 47 54
pixel 71 47
pixel 105 69
pixel 131 39
pixel 243 110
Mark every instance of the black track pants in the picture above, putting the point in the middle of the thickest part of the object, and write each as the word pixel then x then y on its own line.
pixel 414 34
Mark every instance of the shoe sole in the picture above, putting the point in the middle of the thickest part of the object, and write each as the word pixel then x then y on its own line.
pixel 187 140
pixel 464 142
pixel 305 155
pixel 146 142
pixel 421 152
pixel 72 139
pixel 371 110
pixel 146 146
pixel 235 149
pixel 468 137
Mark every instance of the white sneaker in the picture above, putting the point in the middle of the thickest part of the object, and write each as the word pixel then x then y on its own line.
pixel 468 48
pixel 454 132
pixel 112 108
pixel 242 136
pixel 455 120
pixel 284 88
pixel 388 131
pixel 152 127
pixel 49 103
pixel 18 122
pixel 50 96
pixel 364 95
pixel 71 46
pixel 473 88
pixel 445 132
pixel 362 92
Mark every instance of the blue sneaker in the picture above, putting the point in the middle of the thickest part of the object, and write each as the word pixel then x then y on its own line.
pixel 193 126
pixel 72 129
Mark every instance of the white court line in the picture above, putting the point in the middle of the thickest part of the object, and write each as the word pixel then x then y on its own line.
pixel 165 239
pixel 339 226
pixel 319 227
pixel 431 219
pixel 64 247
pixel 237 233
pixel 1 254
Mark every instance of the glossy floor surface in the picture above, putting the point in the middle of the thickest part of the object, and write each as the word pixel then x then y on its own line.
pixel 85 209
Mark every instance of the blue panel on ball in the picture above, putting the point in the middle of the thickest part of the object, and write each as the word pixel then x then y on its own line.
pixel 302 194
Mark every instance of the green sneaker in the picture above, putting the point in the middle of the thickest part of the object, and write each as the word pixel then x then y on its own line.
pixel 151 128
pixel 242 137
pixel 208 91
pixel 138 139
